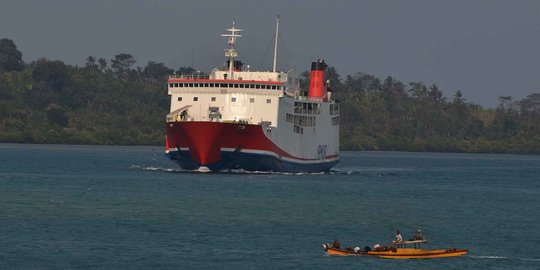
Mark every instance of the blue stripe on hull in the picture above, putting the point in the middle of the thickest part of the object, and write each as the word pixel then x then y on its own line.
pixel 250 162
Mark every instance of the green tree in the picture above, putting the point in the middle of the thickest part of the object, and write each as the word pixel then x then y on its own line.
pixel 57 115
pixel 10 56
pixel 91 62
pixel 53 74
pixel 102 62
pixel 156 72
pixel 122 63
pixel 185 70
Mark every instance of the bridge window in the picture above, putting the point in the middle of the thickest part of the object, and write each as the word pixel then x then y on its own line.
pixel 241 86
pixel 224 85
pixel 274 87
pixel 211 85
pixel 171 85
pixel 335 120
pixel 257 86
pixel 206 85
pixel 235 85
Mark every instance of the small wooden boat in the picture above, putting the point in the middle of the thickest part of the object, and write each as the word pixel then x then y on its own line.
pixel 398 250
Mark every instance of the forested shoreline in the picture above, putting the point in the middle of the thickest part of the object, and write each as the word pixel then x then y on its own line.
pixel 113 102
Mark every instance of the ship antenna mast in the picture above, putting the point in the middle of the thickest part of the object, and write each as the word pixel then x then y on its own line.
pixel 231 52
pixel 276 44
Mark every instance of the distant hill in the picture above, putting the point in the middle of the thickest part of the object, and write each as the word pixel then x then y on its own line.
pixel 111 102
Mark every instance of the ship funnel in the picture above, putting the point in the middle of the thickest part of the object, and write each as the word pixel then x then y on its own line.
pixel 316 80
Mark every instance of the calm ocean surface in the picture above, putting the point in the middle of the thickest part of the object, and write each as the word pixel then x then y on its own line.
pixel 88 207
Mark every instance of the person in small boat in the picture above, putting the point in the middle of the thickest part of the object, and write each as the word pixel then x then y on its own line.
pixel 399 238
pixel 418 235
pixel 335 244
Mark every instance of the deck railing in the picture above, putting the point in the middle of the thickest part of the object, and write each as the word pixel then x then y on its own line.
pixel 189 76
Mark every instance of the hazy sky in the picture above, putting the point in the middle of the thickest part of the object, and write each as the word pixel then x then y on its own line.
pixel 484 48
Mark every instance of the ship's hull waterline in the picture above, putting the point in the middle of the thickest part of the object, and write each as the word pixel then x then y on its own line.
pixel 230 146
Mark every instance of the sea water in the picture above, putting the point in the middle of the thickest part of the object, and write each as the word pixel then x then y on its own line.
pixel 92 207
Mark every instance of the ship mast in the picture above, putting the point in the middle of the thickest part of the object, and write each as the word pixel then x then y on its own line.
pixel 231 52
pixel 276 44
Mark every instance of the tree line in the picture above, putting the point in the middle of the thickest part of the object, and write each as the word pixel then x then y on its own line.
pixel 112 102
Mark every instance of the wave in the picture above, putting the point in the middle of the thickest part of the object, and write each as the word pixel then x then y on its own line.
pixel 488 257
pixel 206 170
pixel 155 169
pixel 335 171
pixel 369 171
pixel 503 257
pixel 530 259
pixel 240 171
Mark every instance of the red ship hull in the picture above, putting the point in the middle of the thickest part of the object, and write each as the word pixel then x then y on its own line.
pixel 225 146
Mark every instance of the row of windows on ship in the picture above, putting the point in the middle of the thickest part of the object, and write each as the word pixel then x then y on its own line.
pixel 300 130
pixel 233 99
pixel 226 85
pixel 313 108
pixel 306 121
pixel 300 120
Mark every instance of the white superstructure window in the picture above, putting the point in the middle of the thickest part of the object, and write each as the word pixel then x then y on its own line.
pixel 195 98
pixel 179 98
pixel 233 99
pixel 268 101
pixel 252 100
pixel 213 98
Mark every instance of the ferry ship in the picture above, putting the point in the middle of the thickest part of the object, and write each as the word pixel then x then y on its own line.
pixel 240 119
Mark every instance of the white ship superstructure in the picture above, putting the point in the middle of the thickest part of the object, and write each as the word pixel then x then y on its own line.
pixel 233 118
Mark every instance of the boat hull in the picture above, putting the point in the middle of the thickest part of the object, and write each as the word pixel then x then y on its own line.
pixel 399 253
pixel 234 146
pixel 411 253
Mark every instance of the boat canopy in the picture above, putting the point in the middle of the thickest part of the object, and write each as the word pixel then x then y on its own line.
pixel 410 242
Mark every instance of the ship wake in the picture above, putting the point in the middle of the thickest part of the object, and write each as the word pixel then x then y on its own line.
pixel 492 257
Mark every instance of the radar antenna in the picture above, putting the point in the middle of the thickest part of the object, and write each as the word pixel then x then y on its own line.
pixel 231 52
